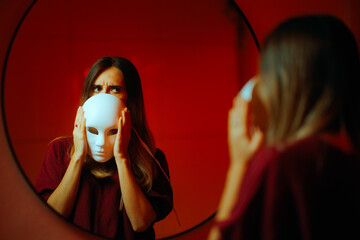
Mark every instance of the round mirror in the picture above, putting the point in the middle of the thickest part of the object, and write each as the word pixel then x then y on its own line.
pixel 192 56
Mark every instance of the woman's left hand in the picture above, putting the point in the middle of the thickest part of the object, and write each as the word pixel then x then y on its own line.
pixel 123 135
pixel 138 208
pixel 243 138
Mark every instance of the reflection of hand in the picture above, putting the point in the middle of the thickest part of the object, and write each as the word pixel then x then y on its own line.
pixel 123 135
pixel 243 140
pixel 79 135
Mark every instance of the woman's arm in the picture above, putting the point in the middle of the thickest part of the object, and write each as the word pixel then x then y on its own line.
pixel 243 143
pixel 139 210
pixel 63 198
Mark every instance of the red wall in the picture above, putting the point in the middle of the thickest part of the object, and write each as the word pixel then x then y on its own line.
pixel 180 116
pixel 265 15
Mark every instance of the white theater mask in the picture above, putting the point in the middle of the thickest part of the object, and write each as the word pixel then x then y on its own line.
pixel 102 113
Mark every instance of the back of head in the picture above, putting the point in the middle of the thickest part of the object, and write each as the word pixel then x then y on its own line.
pixel 310 71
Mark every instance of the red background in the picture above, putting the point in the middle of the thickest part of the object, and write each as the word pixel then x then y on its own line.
pixel 191 66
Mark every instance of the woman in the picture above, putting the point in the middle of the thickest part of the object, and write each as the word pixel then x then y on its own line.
pixel 123 197
pixel 301 178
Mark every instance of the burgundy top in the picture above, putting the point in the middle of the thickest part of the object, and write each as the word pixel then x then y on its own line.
pixel 96 207
pixel 306 190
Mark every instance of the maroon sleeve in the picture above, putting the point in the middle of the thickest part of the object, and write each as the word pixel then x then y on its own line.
pixel 161 194
pixel 54 167
pixel 306 191
pixel 245 219
pixel 271 204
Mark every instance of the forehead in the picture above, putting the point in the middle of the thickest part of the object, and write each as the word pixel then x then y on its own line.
pixel 110 76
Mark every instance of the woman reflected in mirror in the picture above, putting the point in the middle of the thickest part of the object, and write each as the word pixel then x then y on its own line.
pixel 299 177
pixel 120 196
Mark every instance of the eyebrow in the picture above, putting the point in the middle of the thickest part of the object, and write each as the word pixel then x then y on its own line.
pixel 111 86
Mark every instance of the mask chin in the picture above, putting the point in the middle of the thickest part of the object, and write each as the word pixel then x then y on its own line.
pixel 100 159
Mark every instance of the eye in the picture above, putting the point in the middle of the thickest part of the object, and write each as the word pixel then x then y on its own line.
pixel 112 132
pixel 116 89
pixel 92 130
pixel 96 88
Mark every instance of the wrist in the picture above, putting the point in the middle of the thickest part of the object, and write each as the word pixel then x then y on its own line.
pixel 78 155
pixel 122 159
pixel 77 160
pixel 236 168
pixel 238 163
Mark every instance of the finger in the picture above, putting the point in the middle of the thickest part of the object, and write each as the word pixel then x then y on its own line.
pixel 236 101
pixel 77 116
pixel 230 116
pixel 120 124
pixel 242 115
pixel 82 121
pixel 127 117
pixel 238 116
pixel 230 120
pixel 80 115
pixel 257 139
pixel 243 111
pixel 120 127
pixel 122 118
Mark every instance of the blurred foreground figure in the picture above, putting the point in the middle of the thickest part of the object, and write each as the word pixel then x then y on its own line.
pixel 298 177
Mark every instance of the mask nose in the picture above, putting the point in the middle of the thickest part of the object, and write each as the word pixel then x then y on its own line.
pixel 100 140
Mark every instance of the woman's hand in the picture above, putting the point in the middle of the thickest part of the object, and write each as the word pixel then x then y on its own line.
pixel 138 208
pixel 123 135
pixel 243 139
pixel 79 135
pixel 64 196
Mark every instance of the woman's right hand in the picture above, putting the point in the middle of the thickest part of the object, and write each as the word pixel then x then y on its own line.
pixel 64 196
pixel 79 135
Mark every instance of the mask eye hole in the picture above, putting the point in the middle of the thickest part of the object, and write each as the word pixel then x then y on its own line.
pixel 112 132
pixel 92 130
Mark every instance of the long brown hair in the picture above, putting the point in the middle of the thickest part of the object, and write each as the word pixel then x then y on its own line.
pixel 310 78
pixel 141 162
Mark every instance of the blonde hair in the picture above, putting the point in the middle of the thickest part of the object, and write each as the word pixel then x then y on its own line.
pixel 309 67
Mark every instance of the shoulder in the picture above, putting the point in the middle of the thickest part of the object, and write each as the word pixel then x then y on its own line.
pixel 61 141
pixel 59 147
pixel 287 158
pixel 311 151
pixel 298 148
pixel 161 194
pixel 159 154
pixel 305 161
pixel 54 166
pixel 161 158
pixel 307 148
